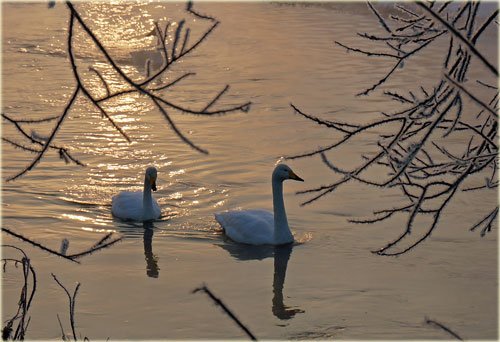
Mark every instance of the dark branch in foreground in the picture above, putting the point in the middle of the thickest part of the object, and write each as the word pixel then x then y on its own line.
pixel 442 326
pixel 72 300
pixel 469 45
pixel 415 154
pixel 101 244
pixel 10 331
pixel 488 222
pixel 15 328
pixel 228 312
pixel 173 53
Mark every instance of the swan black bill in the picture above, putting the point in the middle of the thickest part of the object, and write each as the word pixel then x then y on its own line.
pixel 153 186
pixel 295 177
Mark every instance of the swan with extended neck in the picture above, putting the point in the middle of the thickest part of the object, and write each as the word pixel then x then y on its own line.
pixel 138 205
pixel 261 227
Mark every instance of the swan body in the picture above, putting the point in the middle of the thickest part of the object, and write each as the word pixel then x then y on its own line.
pixel 261 227
pixel 138 205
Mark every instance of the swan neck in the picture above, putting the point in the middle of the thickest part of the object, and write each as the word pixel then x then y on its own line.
pixel 282 232
pixel 147 199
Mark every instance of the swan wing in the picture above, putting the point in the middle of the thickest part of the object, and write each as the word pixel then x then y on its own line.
pixel 127 205
pixel 254 227
pixel 156 209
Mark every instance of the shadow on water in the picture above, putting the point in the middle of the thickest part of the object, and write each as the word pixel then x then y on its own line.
pixel 281 256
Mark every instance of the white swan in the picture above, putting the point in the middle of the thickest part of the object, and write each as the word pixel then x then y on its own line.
pixel 138 205
pixel 261 227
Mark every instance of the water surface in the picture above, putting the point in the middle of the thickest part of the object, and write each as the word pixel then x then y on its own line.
pixel 329 286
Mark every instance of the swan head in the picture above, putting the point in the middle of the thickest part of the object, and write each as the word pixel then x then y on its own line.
pixel 283 172
pixel 150 177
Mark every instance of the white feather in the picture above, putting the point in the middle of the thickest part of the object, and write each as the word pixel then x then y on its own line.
pixel 261 227
pixel 138 205
pixel 255 227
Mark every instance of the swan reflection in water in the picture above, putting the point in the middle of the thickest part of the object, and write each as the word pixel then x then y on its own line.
pixel 152 269
pixel 133 230
pixel 281 256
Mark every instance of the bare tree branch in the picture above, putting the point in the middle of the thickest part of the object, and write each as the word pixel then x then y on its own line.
pixel 445 328
pixel 472 97
pixel 180 48
pixel 425 170
pixel 25 299
pixel 72 300
pixel 228 312
pixel 450 28
pixel 72 257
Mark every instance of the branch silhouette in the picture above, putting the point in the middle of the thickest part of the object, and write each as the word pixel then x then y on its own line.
pixel 101 244
pixel 416 155
pixel 227 311
pixel 71 300
pixel 443 327
pixel 11 330
pixel 173 53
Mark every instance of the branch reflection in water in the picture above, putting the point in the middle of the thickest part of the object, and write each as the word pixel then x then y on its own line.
pixel 281 256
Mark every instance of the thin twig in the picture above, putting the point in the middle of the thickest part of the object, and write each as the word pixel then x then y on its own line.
pixel 489 219
pixel 25 300
pixel 368 53
pixel 47 119
pixel 469 94
pixel 483 27
pixel 71 257
pixel 380 19
pixel 103 81
pixel 219 302
pixel 71 299
pixel 50 138
pixel 445 328
pixel 471 47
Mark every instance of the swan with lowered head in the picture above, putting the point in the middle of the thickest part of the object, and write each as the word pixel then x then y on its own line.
pixel 138 205
pixel 261 227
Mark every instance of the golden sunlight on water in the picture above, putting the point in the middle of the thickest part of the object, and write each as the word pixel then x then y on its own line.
pixel 327 284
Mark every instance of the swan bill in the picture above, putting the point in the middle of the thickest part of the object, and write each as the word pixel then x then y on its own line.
pixel 152 181
pixel 293 176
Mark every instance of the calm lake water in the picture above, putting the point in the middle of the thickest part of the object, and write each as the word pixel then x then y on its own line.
pixel 330 286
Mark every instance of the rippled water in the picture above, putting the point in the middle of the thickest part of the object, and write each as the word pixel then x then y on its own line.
pixel 328 286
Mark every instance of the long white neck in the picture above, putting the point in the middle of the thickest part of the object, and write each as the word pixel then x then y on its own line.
pixel 147 202
pixel 282 232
